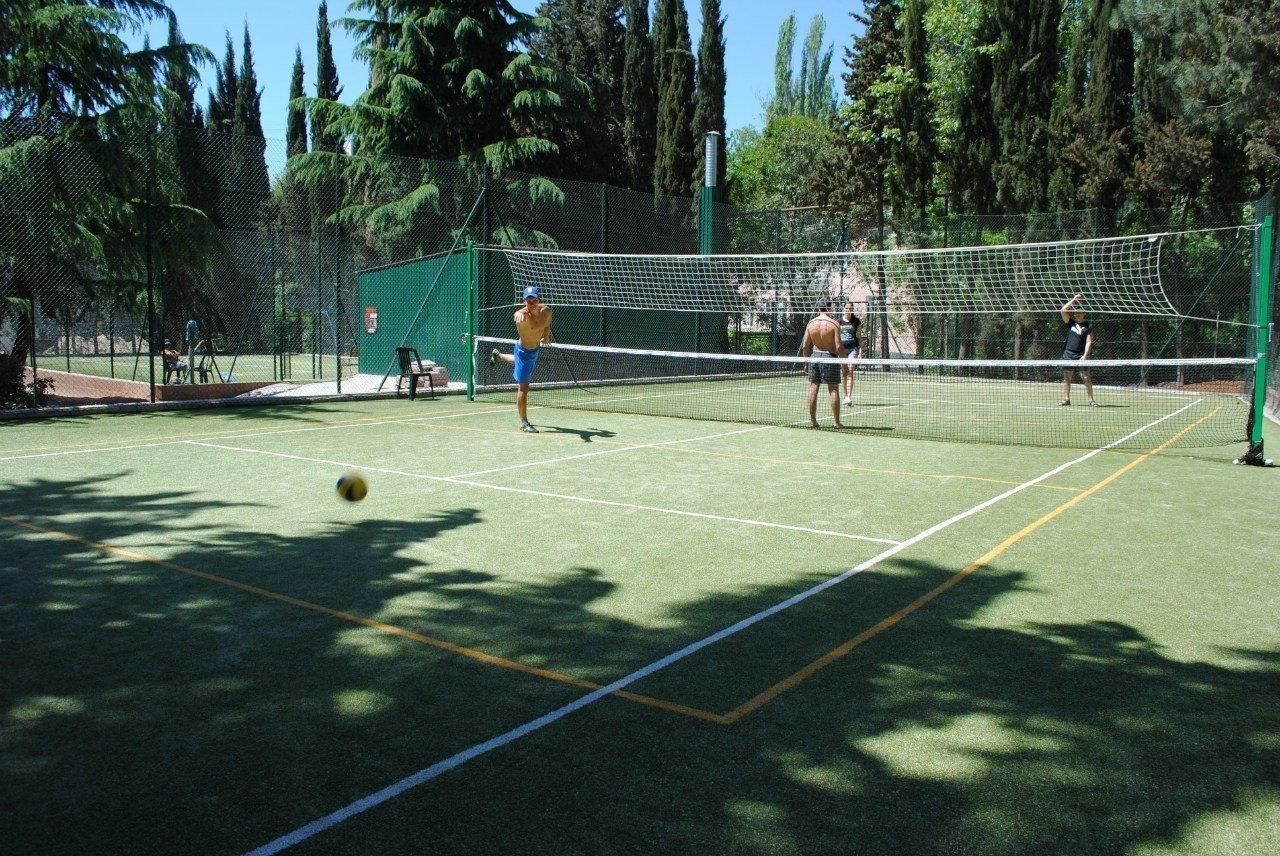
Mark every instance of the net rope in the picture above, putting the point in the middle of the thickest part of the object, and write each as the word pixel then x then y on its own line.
pixel 1119 276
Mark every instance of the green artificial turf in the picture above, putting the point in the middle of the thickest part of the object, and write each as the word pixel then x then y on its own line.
pixel 1107 683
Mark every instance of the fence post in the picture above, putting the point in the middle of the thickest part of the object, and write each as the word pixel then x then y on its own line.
pixel 604 248
pixel 337 317
pixel 151 296
pixel 470 320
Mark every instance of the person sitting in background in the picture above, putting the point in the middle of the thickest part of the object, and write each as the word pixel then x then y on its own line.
pixel 174 364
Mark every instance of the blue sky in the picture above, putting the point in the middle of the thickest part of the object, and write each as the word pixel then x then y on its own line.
pixel 278 26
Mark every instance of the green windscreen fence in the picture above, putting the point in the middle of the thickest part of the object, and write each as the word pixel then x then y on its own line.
pixel 392 311
pixel 423 303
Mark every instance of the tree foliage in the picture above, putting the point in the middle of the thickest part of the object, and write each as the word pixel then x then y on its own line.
pixel 673 60
pixel 709 115
pixel 639 98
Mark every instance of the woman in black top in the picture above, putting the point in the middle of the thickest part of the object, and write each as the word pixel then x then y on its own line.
pixel 1078 344
pixel 850 325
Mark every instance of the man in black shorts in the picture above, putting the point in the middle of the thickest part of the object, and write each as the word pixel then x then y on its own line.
pixel 1078 344
pixel 822 339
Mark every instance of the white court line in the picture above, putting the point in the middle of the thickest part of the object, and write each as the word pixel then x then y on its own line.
pixel 216 436
pixel 426 774
pixel 605 452
pixel 530 492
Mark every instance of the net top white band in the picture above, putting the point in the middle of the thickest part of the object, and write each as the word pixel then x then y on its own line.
pixel 483 342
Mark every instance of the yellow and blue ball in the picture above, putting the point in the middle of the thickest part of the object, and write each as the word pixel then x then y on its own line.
pixel 352 487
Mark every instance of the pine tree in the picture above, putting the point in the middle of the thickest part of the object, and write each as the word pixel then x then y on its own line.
pixel 296 121
pixel 856 171
pixel 452 81
pixel 709 115
pixel 639 97
pixel 328 88
pixel 674 159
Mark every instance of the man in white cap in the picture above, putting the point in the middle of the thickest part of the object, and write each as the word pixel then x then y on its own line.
pixel 533 325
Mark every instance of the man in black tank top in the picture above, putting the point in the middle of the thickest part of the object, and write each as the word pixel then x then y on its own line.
pixel 1077 345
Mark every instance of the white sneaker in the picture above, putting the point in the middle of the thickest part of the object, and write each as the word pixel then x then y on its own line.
pixel 847 401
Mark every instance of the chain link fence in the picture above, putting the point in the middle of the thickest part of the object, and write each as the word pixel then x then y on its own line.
pixel 136 266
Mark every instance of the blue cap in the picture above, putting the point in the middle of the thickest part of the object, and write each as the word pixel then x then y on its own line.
pixel 531 291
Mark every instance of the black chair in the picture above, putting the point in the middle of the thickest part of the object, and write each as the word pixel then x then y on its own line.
pixel 411 367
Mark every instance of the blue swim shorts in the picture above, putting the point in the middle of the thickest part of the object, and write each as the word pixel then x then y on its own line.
pixel 526 359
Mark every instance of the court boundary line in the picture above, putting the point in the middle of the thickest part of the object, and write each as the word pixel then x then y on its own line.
pixel 383 627
pixel 769 460
pixel 456 760
pixel 613 451
pixel 547 494
pixel 810 669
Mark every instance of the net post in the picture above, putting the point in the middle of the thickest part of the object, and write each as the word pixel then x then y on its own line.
pixel 470 320
pixel 1263 284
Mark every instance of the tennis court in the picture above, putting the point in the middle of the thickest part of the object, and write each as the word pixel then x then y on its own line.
pixel 631 632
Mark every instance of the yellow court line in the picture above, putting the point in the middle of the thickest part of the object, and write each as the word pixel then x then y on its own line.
pixel 791 681
pixel 760 458
pixel 381 627
pixel 195 435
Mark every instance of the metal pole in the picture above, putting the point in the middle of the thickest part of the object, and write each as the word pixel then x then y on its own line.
pixel 151 297
pixel 470 320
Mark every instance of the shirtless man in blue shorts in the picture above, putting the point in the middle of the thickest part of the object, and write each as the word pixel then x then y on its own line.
pixel 533 325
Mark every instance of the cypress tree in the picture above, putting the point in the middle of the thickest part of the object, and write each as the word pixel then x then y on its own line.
pixel 1025 70
pixel 222 99
pixel 972 186
pixel 639 97
pixel 674 159
pixel 327 86
pixel 709 115
pixel 296 122
pixel 584 38
pixel 247 183
pixel 1064 182
pixel 248 104
pixel 915 150
pixel 1109 100
pixel 185 120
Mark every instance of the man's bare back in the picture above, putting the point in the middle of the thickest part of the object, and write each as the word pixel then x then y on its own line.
pixel 533 325
pixel 823 333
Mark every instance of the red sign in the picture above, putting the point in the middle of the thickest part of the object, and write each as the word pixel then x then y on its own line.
pixel 371 319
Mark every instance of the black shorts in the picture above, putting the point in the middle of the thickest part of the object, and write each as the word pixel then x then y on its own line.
pixel 823 372
pixel 1072 355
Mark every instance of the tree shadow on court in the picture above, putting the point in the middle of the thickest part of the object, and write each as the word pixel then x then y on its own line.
pixel 942 735
pixel 148 710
